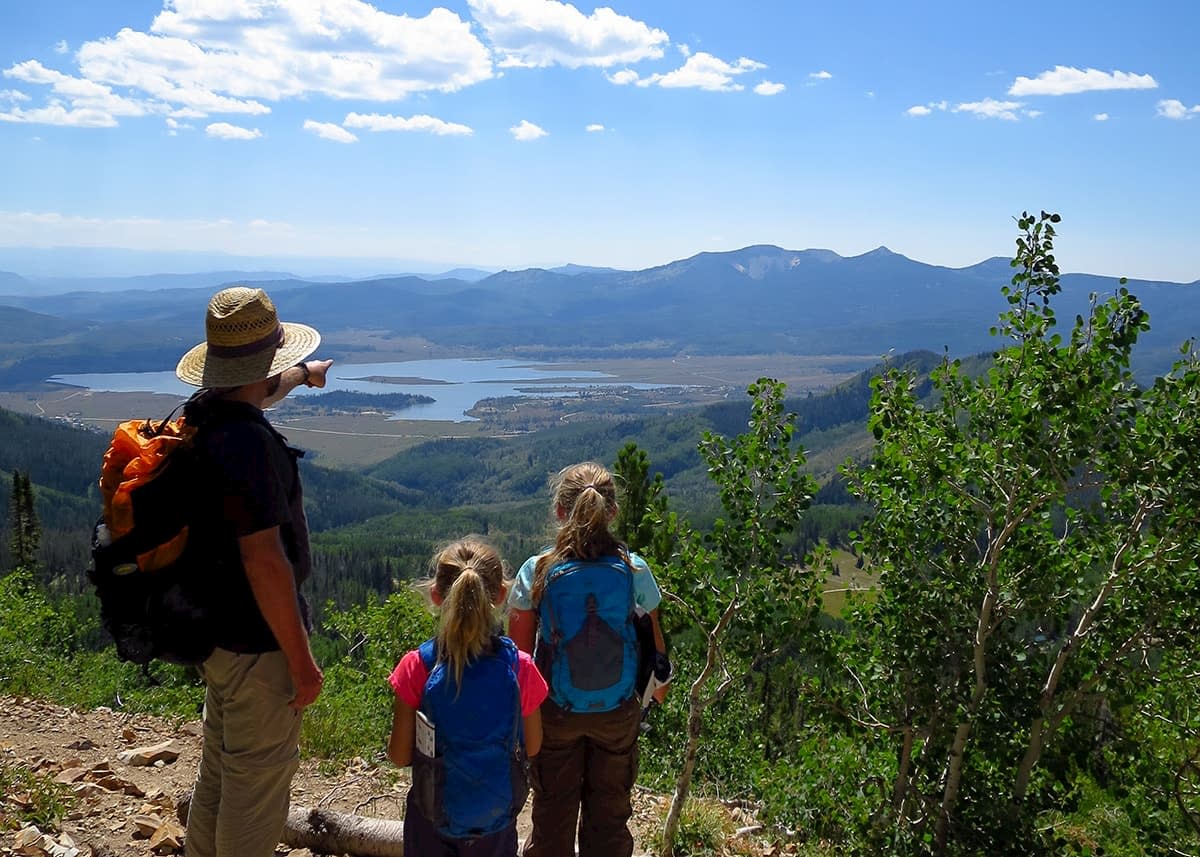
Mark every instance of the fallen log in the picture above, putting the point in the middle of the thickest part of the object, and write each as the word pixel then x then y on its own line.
pixel 324 831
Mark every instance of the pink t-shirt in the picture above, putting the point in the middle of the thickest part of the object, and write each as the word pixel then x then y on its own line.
pixel 409 677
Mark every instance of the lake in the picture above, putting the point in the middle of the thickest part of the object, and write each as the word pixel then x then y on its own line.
pixel 455 384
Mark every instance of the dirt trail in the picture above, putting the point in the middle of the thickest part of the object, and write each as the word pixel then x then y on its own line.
pixel 113 797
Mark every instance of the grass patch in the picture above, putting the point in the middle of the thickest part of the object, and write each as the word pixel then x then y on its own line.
pixel 27 797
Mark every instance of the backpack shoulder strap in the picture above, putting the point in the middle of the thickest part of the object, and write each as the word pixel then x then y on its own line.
pixel 428 654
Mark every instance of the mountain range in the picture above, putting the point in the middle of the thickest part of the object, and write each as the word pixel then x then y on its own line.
pixel 757 300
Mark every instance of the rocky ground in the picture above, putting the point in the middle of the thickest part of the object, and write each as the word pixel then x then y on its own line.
pixel 126 773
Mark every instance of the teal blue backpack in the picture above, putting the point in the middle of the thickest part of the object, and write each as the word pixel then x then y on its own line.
pixel 587 647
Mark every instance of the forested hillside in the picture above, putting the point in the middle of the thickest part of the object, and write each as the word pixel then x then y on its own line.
pixel 377 526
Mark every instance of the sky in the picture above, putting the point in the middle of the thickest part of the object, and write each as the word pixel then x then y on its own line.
pixel 520 133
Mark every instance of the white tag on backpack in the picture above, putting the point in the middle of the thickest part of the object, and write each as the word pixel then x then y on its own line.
pixel 426 736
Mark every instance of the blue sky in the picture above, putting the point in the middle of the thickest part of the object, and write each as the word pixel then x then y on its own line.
pixel 513 133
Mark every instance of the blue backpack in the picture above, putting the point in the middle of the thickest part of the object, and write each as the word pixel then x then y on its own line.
pixel 587 647
pixel 477 780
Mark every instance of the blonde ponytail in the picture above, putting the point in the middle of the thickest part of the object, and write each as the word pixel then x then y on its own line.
pixel 584 502
pixel 469 578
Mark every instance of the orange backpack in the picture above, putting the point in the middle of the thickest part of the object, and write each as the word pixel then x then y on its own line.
pixel 137 453
pixel 153 584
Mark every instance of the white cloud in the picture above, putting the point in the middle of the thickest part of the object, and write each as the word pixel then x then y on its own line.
pixel 1066 80
pixel 329 131
pixel 57 114
pixel 624 76
pixel 1101 117
pixel 926 109
pixel 13 95
pixel 234 56
pixel 1032 114
pixel 594 128
pixel 686 50
pixel 527 131
pixel 174 126
pixel 1173 108
pixel 420 122
pixel 820 75
pixel 225 131
pixel 990 108
pixel 704 71
pixel 74 97
pixel 540 33
pixel 62 47
pixel 769 88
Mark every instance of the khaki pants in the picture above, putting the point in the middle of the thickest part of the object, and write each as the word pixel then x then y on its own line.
pixel 251 751
pixel 584 775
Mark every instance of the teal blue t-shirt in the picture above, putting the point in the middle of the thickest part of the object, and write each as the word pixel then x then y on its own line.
pixel 646 593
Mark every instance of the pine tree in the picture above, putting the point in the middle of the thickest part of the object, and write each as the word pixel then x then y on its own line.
pixel 26 532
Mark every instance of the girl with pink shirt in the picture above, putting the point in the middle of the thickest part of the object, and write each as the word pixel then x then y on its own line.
pixel 466 715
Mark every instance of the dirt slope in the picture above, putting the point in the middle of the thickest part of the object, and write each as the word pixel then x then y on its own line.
pixel 113 796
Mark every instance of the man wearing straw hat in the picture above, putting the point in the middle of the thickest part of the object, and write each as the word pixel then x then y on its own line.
pixel 262 673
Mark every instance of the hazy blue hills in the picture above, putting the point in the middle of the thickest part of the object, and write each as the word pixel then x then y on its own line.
pixel 757 300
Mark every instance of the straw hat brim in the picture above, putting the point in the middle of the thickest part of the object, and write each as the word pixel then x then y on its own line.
pixel 200 369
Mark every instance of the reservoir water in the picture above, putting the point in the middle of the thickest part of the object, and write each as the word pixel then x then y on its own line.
pixel 455 384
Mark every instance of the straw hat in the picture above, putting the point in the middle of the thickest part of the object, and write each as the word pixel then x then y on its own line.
pixel 245 341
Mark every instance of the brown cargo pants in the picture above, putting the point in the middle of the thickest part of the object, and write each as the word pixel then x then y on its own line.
pixel 582 780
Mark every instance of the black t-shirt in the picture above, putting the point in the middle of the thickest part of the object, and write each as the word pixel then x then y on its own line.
pixel 253 484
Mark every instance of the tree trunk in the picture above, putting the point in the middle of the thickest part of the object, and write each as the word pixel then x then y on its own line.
pixel 684 784
pixel 962 734
pixel 900 787
pixel 1040 728
pixel 696 707
pixel 324 831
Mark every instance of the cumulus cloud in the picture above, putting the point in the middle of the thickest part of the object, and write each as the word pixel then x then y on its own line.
pixel 1101 117
pixel 1067 80
pixel 624 76
pixel 540 33
pixel 990 108
pixel 225 131
pixel 1173 108
pixel 820 75
pixel 61 47
pixel 704 71
pixel 595 127
pixel 236 56
pixel 57 114
pixel 769 88
pixel 13 95
pixel 420 122
pixel 527 131
pixel 926 109
pixel 76 101
pixel 329 131
pixel 174 126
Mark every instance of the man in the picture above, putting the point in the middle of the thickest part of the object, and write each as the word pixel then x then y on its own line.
pixel 262 673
